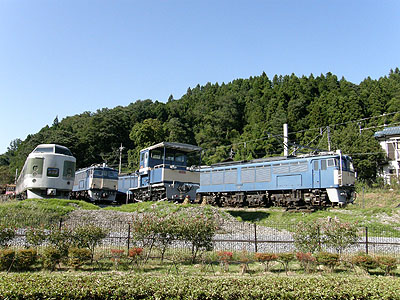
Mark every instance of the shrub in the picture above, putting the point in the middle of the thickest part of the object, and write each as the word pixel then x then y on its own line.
pixel 328 259
pixel 199 231
pixel 6 258
pixel 266 259
pixel 224 258
pixel 244 259
pixel 25 259
pixel 387 263
pixel 306 260
pixel 285 259
pixel 307 237
pixel 62 239
pixel 78 257
pixel 88 236
pixel 135 252
pixel 36 236
pixel 6 235
pixel 116 256
pixel 152 229
pixel 339 235
pixel 51 257
pixel 364 261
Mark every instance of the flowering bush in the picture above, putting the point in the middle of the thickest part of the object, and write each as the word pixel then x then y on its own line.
pixel 364 261
pixel 117 255
pixel 155 229
pixel 339 235
pixel 135 252
pixel 224 257
pixel 266 259
pixel 306 260
pixel 309 237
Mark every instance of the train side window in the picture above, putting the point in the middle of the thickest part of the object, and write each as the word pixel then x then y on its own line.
pixel 179 157
pixel 323 164
pixel 169 156
pixel 156 154
pixel 315 165
pixel 331 162
pixel 52 172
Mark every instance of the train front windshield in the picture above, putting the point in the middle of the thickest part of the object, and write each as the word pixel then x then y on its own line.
pixel 109 174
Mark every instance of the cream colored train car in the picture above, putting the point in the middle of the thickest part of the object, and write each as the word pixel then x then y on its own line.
pixel 48 172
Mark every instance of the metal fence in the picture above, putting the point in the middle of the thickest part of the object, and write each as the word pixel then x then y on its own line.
pixel 233 236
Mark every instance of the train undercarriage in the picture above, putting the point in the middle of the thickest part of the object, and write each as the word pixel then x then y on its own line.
pixel 304 200
pixel 290 199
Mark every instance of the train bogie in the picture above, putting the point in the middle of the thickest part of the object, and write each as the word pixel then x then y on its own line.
pixel 48 172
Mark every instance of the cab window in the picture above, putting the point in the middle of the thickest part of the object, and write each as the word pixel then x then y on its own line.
pixel 180 157
pixel 98 173
pixel 156 154
pixel 331 162
pixel 169 156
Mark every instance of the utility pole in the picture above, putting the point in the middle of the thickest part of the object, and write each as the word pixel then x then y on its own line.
pixel 328 130
pixel 120 158
pixel 285 140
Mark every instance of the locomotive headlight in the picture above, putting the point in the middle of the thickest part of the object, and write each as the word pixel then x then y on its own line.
pixel 33 180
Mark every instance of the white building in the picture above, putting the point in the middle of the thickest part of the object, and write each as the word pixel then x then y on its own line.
pixel 389 138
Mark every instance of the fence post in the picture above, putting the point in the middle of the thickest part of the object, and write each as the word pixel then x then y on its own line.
pixel 129 235
pixel 255 237
pixel 60 224
pixel 366 239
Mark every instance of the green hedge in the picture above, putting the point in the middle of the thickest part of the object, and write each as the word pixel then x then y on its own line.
pixel 117 286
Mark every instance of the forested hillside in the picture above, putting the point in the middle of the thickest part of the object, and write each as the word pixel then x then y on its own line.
pixel 243 118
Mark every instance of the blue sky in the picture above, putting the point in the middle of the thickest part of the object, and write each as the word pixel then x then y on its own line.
pixel 66 57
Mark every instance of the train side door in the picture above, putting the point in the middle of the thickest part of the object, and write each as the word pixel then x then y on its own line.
pixel 316 174
pixel 326 174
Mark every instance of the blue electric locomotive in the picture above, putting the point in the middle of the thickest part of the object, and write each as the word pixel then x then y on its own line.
pixel 298 182
pixel 97 183
pixel 164 174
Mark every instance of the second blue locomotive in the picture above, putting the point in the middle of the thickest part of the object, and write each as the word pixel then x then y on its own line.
pixel 292 182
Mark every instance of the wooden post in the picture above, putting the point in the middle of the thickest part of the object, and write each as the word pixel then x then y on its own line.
pixel 366 239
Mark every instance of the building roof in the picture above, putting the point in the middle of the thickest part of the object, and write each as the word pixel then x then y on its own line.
pixel 177 146
pixel 388 131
